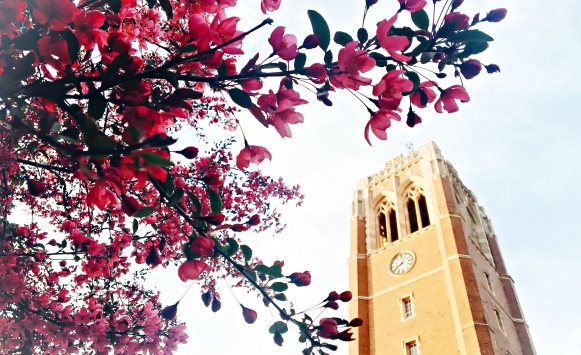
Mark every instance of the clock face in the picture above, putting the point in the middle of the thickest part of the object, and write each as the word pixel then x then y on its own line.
pixel 402 263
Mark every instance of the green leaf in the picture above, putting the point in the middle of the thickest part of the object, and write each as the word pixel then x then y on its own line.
pixel 421 19
pixel 171 78
pixel 27 40
pixel 70 134
pixel 279 287
pixel 280 297
pixel 176 197
pixel 331 347
pixel 278 327
pixel 328 57
pixel 39 245
pixel 135 225
pixel 320 28
pixel 144 212
pixel 274 271
pixel 97 106
pixel 342 38
pixel 441 65
pixel 472 48
pixel 73 46
pixel 246 252
pixel 103 143
pixel 156 159
pixel 196 202
pixel 426 57
pixel 189 48
pixel 223 69
pixel 415 78
pixel 362 35
pixel 420 48
pixel 115 5
pixel 232 247
pixel 300 61
pixel 215 201
pixel 240 97
pixel 470 36
pixel 166 6
pixel 168 184
pixel 282 66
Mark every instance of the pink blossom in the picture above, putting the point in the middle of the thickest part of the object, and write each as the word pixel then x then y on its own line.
pixel 327 328
pixel 352 62
pixel 191 269
pixel 448 97
pixel 283 45
pixel 392 44
pixel 412 5
pixel 423 95
pixel 281 109
pixel 390 88
pixel 252 154
pixel 460 20
pixel 269 5
pixel 380 121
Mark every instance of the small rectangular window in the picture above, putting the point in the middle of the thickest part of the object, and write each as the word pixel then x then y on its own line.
pixel 412 348
pixel 407 307
pixel 499 320
pixel 488 281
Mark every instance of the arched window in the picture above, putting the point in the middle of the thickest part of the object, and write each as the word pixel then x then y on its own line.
pixel 417 209
pixel 423 207
pixel 412 215
pixel 387 223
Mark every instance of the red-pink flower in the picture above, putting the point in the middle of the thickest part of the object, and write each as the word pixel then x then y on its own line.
pixel 281 109
pixel 191 269
pixel 252 154
pixel 130 205
pixel 317 73
pixel 351 63
pixel 392 44
pixel 495 15
pixel 423 95
pixel 223 31
pixel 87 29
pixel 460 20
pixel 327 328
pixel 57 13
pixel 448 97
pixel 269 5
pixel 379 123
pixel 202 247
pixel 412 5
pixel 284 45
pixel 389 89
pixel 470 68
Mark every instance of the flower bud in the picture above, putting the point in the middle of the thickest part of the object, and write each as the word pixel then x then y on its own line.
pixel 456 4
pixel 475 19
pixel 239 227
pixel 52 242
pixel 355 322
pixel 310 42
pixel 301 278
pixel 249 315
pixel 327 328
pixel 369 3
pixel 213 179
pixel 332 305
pixel 153 258
pixel 207 298
pixel 36 188
pixel 130 205
pixel 189 152
pixel 333 296
pixel 345 335
pixel 170 312
pixel 492 68
pixel 216 305
pixel 496 15
pixel 254 220
pixel 202 247
pixel 215 219
pixel 346 296
pixel 191 269
pixel 470 68
pixel 413 119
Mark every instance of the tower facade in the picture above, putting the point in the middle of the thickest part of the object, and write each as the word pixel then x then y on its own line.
pixel 425 268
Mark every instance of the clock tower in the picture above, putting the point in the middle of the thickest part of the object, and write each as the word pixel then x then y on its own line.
pixel 425 268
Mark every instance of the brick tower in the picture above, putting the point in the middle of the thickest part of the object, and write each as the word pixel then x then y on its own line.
pixel 425 269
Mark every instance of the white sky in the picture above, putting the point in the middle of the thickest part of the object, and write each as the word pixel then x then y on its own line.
pixel 516 145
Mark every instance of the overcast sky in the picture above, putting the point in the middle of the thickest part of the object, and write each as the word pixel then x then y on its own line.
pixel 516 145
